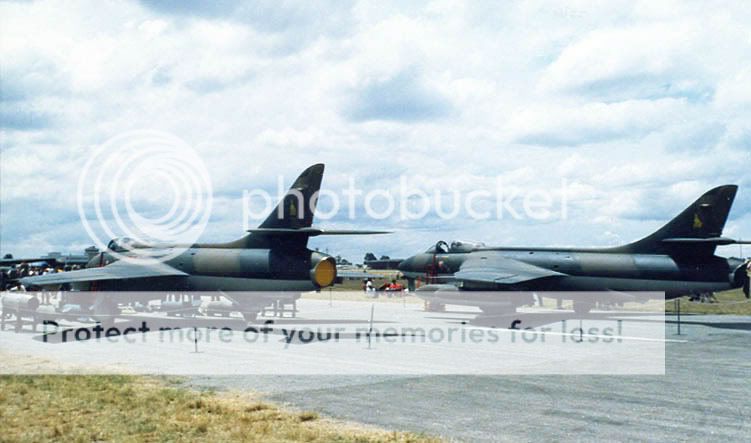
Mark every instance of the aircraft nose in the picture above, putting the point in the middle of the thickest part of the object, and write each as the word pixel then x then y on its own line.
pixel 407 265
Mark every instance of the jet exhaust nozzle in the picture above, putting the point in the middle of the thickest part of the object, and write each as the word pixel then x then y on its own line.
pixel 742 278
pixel 323 273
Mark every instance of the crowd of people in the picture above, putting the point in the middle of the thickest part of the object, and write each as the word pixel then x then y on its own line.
pixel 389 288
pixel 9 278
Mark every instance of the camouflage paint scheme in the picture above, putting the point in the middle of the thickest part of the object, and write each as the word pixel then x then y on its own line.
pixel 678 259
pixel 274 257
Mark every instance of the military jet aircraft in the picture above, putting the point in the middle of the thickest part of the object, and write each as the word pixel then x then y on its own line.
pixel 678 259
pixel 273 257
pixel 51 259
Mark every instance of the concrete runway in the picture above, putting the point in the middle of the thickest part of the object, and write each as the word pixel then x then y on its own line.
pixel 341 340
pixel 704 394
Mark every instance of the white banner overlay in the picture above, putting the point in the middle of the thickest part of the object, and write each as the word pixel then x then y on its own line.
pixel 204 333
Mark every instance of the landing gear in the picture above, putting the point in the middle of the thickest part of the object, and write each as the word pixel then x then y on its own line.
pixel 581 307
pixel 498 309
pixel 104 311
pixel 250 317
pixel 434 306
pixel 703 297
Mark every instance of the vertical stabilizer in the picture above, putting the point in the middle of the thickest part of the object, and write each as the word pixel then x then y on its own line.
pixel 695 232
pixel 298 206
pixel 294 211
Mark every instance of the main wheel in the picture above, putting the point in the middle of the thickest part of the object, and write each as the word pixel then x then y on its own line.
pixel 250 316
pixel 581 307
pixel 104 311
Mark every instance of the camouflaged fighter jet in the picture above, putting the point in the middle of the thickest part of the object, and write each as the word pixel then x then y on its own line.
pixel 273 257
pixel 678 259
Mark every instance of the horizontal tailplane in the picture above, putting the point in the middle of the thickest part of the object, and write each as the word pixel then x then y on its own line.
pixel 695 232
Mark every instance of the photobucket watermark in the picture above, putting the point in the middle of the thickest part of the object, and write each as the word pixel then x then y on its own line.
pixel 148 188
pixel 408 201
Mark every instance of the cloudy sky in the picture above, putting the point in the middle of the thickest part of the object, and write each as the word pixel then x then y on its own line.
pixel 638 107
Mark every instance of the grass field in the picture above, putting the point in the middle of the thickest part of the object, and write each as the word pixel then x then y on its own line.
pixel 400 297
pixel 351 289
pixel 729 303
pixel 130 408
pixel 379 278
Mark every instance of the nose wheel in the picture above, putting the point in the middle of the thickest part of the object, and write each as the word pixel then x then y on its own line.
pixel 104 311
pixel 250 317
pixel 581 307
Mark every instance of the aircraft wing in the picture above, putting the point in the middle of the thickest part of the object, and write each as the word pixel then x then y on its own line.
pixel 119 270
pixel 347 273
pixel 16 261
pixel 311 232
pixel 496 269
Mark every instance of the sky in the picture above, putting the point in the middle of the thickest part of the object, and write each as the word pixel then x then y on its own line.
pixel 638 107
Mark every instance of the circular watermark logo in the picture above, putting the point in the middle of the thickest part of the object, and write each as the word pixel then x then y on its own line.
pixel 144 194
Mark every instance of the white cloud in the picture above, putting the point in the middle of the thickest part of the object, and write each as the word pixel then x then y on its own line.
pixel 553 125
pixel 620 98
pixel 735 91
pixel 640 60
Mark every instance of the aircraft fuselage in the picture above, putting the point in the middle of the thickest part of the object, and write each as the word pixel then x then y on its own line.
pixel 591 270
pixel 222 269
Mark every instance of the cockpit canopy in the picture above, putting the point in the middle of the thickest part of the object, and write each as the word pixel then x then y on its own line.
pixel 456 247
pixel 439 248
pixel 125 244
pixel 121 244
pixel 465 246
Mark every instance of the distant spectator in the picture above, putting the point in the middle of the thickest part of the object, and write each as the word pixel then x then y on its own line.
pixel 395 286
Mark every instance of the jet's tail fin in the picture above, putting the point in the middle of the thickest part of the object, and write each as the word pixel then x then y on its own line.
pixel 297 207
pixel 294 212
pixel 289 226
pixel 695 232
